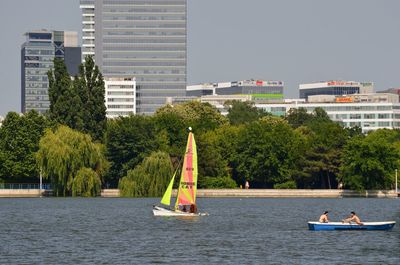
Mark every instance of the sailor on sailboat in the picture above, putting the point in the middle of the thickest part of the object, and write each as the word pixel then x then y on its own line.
pixel 186 198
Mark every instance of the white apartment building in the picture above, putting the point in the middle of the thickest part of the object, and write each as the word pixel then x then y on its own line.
pixel 120 96
pixel 366 115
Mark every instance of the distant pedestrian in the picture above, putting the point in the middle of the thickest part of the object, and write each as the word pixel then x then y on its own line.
pixel 247 185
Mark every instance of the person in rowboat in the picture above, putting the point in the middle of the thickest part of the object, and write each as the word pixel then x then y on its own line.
pixel 324 217
pixel 352 218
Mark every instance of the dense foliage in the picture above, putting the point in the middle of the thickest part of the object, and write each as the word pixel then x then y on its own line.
pixel 150 178
pixel 368 162
pixel 19 140
pixel 78 104
pixel 72 162
pixel 140 153
pixel 128 141
pixel 243 112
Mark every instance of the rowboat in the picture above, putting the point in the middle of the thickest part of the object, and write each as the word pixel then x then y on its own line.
pixel 317 226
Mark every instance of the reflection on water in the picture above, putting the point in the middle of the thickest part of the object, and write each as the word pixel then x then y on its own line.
pixel 237 231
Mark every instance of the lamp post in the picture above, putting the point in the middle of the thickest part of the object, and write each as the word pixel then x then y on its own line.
pixel 396 182
pixel 40 183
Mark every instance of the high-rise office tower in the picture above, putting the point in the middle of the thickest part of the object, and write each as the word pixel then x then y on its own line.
pixel 37 55
pixel 145 39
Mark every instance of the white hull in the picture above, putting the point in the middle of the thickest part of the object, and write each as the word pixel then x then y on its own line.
pixel 160 211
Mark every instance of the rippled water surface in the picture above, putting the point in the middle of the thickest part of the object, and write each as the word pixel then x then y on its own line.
pixel 237 231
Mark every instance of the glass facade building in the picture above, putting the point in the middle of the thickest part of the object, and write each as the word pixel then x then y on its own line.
pixel 145 39
pixel 37 55
pixel 336 88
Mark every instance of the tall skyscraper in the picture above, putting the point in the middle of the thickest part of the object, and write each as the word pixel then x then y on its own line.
pixel 37 55
pixel 145 39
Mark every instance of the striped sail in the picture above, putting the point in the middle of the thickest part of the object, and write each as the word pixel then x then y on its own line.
pixel 188 182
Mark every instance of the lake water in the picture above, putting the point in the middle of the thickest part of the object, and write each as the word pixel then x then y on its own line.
pixel 237 231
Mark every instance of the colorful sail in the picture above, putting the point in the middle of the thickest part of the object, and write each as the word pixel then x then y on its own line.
pixel 166 199
pixel 188 182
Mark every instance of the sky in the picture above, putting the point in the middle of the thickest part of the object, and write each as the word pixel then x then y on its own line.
pixel 296 41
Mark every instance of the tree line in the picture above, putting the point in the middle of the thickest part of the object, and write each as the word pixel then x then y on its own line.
pixel 79 151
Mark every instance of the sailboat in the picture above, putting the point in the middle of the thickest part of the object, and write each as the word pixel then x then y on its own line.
pixel 185 204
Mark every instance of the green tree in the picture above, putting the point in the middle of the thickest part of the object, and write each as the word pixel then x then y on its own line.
pixel 298 117
pixel 78 104
pixel 267 153
pixel 86 183
pixel 149 179
pixel 128 141
pixel 65 103
pixel 243 112
pixel 172 131
pixel 63 156
pixel 213 168
pixel 369 162
pixel 200 116
pixel 19 140
pixel 319 165
pixel 89 85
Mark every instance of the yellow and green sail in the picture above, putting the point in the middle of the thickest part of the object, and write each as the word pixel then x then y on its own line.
pixel 166 199
pixel 188 183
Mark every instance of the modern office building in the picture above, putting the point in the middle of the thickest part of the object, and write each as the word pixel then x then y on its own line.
pixel 37 55
pixel 144 39
pixel 367 111
pixel 259 90
pixel 336 88
pixel 364 111
pixel 120 96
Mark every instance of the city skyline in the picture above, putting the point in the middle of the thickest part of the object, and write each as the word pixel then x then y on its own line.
pixel 296 42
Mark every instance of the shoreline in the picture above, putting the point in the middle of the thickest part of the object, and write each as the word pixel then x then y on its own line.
pixel 229 193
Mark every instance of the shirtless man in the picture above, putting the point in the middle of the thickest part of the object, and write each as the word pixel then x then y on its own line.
pixel 352 218
pixel 324 217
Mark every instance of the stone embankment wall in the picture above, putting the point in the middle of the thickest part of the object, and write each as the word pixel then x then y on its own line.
pixel 20 193
pixel 110 193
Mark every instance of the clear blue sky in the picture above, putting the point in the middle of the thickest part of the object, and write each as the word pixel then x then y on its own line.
pixel 296 41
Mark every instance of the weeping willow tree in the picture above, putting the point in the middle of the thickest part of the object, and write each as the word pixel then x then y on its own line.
pixel 86 183
pixel 72 162
pixel 148 179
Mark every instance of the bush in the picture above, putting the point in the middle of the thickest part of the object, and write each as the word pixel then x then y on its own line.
pixel 286 185
pixel 218 183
